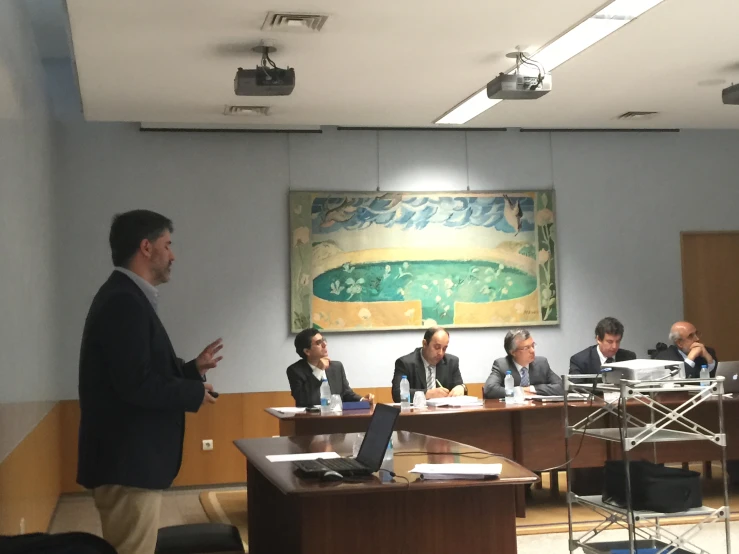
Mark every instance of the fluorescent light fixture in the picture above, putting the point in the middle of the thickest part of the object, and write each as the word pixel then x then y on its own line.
pixel 470 108
pixel 611 18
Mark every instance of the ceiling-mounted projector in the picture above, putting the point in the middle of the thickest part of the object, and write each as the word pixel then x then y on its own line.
pixel 730 95
pixel 267 79
pixel 519 87
pixel 264 81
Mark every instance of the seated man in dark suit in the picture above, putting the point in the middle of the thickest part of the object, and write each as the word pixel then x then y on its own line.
pixel 529 371
pixel 429 368
pixel 306 374
pixel 608 335
pixel 687 348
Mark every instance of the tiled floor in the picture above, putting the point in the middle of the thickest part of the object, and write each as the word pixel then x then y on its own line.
pixel 77 513
pixel 179 506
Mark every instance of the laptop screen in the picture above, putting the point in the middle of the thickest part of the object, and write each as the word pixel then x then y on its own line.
pixel 377 436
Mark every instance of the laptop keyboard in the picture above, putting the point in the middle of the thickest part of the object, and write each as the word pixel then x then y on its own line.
pixel 344 466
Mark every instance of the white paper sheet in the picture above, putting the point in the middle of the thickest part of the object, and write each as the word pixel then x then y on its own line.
pixel 455 401
pixel 457 471
pixel 290 410
pixel 303 456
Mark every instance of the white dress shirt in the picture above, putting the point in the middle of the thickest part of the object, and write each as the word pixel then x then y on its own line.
pixel 317 373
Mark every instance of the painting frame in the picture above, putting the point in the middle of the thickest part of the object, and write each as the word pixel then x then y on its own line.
pixel 524 256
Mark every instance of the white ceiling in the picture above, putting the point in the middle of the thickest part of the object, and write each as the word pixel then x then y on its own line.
pixel 391 63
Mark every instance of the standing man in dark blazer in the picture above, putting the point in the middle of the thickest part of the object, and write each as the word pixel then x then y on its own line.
pixel 430 369
pixel 134 391
pixel 608 335
pixel 530 372
pixel 687 347
pixel 306 374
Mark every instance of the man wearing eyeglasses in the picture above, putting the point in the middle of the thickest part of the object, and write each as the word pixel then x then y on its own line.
pixel 530 372
pixel 686 347
pixel 306 374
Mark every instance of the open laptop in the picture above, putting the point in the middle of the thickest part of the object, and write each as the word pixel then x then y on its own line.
pixel 730 372
pixel 371 453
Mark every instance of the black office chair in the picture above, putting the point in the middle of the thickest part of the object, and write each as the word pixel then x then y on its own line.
pixel 199 538
pixel 57 543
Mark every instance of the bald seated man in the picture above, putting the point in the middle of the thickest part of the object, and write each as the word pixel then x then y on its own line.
pixel 687 347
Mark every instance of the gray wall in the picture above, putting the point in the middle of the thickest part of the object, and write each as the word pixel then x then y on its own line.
pixel 27 280
pixel 622 200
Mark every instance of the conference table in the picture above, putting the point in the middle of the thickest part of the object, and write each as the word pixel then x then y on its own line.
pixel 532 434
pixel 383 513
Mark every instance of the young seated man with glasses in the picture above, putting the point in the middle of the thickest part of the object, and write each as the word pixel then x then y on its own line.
pixel 686 347
pixel 306 374
pixel 531 372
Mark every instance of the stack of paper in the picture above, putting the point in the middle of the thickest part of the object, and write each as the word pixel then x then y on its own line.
pixel 290 410
pixel 455 401
pixel 457 471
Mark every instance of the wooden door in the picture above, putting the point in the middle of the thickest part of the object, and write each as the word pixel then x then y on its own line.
pixel 710 262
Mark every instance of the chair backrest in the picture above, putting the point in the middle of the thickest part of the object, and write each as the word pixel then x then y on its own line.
pixel 60 543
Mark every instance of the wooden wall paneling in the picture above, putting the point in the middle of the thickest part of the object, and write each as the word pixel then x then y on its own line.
pixel 30 478
pixel 710 265
pixel 69 438
pixel 222 423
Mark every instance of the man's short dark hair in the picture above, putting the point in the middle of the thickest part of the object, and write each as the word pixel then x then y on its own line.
pixel 431 331
pixel 304 339
pixel 609 326
pixel 130 228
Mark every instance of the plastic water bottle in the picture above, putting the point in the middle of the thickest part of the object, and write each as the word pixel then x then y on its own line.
pixel 508 384
pixel 389 451
pixel 325 397
pixel 704 375
pixel 405 394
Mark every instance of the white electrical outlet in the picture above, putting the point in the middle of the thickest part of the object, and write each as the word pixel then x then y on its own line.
pixel 22 526
pixel 208 444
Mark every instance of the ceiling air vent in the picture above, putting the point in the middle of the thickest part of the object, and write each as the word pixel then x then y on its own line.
pixel 277 21
pixel 246 110
pixel 637 115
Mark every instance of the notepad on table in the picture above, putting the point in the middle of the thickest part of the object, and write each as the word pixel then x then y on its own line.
pixel 301 456
pixel 290 410
pixel 458 471
pixel 455 401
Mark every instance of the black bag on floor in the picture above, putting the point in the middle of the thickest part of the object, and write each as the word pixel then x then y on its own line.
pixel 653 487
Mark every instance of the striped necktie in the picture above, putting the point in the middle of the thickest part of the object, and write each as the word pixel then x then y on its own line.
pixel 430 378
pixel 525 377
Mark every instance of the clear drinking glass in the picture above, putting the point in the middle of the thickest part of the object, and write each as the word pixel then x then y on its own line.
pixel 336 404
pixel 419 399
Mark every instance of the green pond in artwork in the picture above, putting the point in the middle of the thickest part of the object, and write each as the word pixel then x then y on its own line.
pixel 437 284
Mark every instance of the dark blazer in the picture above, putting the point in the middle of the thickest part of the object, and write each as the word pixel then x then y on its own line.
pixel 541 376
pixel 306 389
pixel 411 365
pixel 587 362
pixel 690 372
pixel 134 392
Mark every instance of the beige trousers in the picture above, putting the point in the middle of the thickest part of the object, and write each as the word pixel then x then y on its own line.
pixel 129 517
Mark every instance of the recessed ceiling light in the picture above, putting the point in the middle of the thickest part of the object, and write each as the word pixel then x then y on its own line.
pixel 595 28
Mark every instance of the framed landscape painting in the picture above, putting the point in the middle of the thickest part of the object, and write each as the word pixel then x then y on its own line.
pixel 363 261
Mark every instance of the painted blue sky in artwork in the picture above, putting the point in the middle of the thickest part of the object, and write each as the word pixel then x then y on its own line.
pixel 333 213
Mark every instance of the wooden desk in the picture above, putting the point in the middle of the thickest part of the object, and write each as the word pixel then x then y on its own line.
pixel 288 514
pixel 531 434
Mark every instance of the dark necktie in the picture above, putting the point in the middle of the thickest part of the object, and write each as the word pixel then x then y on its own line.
pixel 609 360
